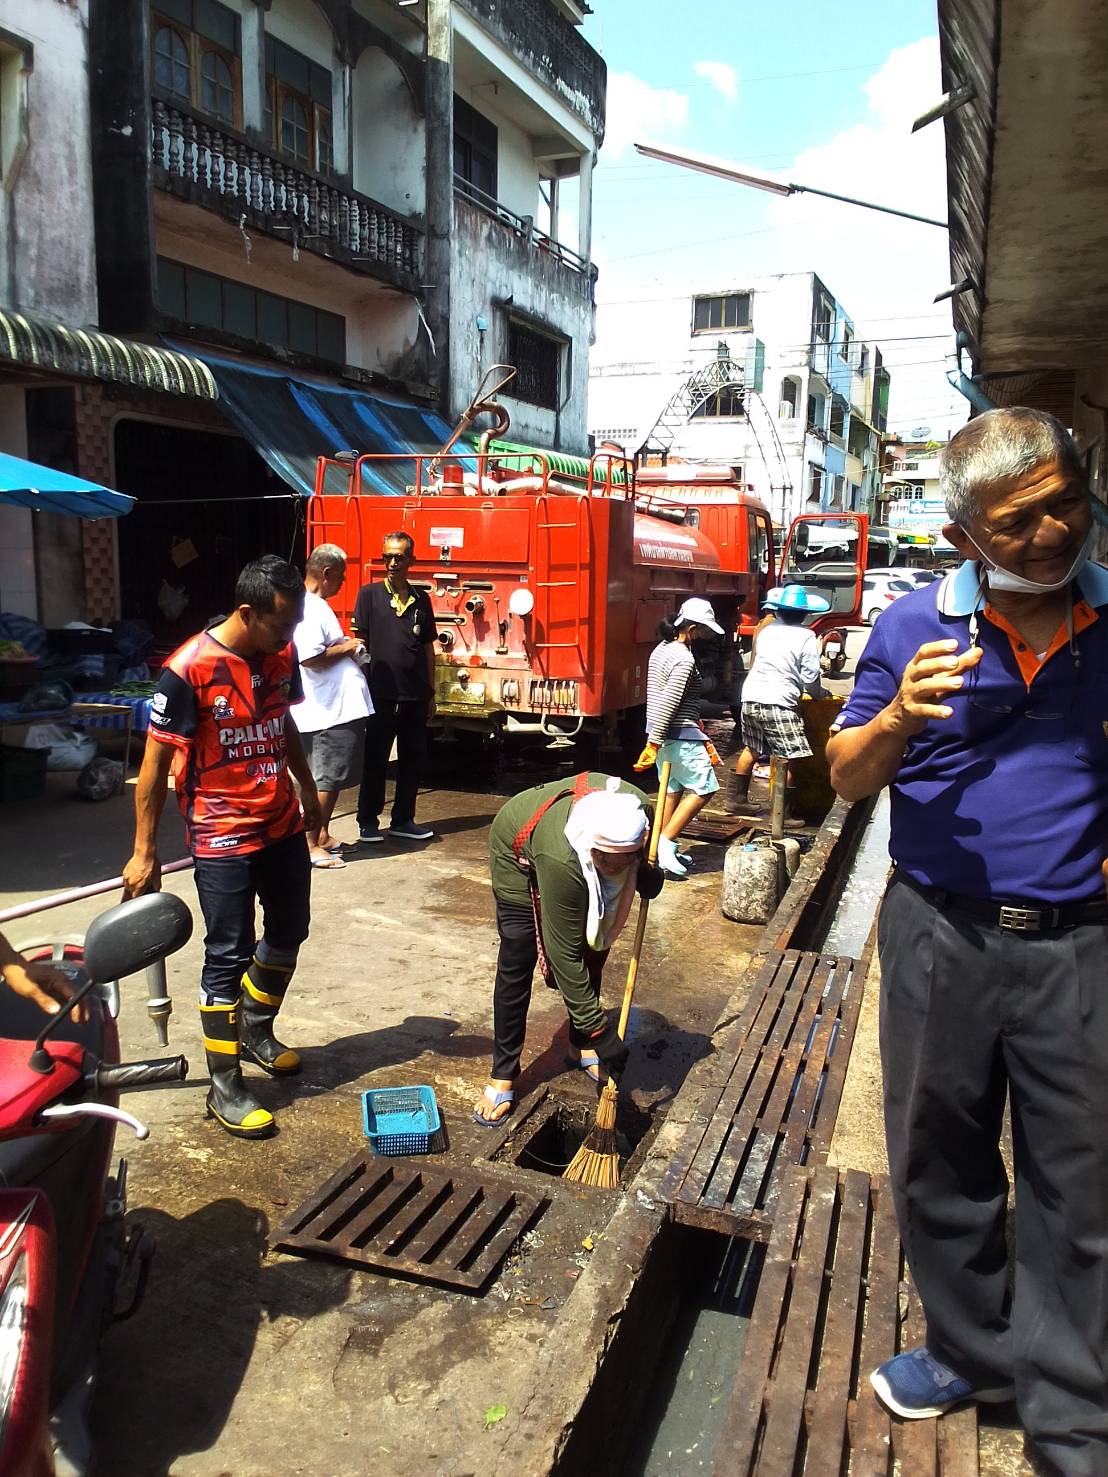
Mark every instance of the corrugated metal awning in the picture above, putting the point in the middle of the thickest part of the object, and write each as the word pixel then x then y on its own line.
pixel 34 342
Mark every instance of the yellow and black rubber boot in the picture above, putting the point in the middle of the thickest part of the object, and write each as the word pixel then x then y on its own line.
pixel 229 1102
pixel 263 993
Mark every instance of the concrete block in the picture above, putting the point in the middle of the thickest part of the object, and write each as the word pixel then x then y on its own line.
pixel 752 884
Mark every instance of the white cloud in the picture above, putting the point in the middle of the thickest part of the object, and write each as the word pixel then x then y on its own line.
pixel 640 113
pixel 668 234
pixel 884 270
pixel 720 75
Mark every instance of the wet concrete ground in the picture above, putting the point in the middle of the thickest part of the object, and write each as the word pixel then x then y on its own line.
pixel 251 1363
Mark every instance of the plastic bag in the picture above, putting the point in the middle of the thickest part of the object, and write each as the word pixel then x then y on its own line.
pixel 69 750
pixel 100 780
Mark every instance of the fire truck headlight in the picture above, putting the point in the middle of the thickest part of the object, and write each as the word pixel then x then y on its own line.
pixel 521 601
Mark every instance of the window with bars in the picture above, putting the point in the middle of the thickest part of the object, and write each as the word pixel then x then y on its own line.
pixel 538 362
pixel 204 300
pixel 825 314
pixel 298 107
pixel 195 51
pixel 725 402
pixel 726 311
pixel 475 149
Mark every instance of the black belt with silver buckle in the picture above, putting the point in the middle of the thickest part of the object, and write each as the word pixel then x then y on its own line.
pixel 1015 916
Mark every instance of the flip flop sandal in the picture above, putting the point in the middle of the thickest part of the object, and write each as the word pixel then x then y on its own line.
pixel 496 1098
pixel 328 864
pixel 589 1063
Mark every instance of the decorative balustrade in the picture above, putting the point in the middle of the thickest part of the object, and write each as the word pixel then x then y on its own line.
pixel 319 214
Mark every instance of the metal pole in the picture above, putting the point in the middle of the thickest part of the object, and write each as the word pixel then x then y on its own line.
pixel 78 894
pixel 778 781
pixel 924 220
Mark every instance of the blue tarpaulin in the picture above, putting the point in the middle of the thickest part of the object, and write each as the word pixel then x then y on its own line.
pixel 28 485
pixel 292 420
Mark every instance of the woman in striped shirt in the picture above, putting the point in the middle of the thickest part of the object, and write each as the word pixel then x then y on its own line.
pixel 673 732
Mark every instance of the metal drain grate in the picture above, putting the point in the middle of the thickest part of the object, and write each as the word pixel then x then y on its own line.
pixel 435 1225
pixel 717 827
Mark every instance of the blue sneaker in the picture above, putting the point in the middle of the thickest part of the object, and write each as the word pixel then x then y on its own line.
pixel 916 1386
pixel 369 835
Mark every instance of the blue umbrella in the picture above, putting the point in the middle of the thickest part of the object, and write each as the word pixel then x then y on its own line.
pixel 28 485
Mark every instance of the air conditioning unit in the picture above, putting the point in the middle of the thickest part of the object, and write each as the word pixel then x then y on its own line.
pixel 786 411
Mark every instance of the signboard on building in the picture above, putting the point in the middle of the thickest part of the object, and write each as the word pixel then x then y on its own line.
pixel 918 520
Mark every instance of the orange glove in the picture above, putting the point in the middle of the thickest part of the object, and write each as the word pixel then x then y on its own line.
pixel 647 757
pixel 713 752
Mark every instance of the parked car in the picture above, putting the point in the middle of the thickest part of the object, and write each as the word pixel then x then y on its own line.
pixel 879 589
pixel 917 577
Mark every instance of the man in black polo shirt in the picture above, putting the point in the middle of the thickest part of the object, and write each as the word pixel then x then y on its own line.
pixel 397 624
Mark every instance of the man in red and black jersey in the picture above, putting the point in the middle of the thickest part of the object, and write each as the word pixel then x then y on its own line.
pixel 220 722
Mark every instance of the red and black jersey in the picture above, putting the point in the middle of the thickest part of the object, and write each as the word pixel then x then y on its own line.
pixel 225 714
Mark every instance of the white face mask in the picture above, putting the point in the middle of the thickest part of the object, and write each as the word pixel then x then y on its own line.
pixel 1016 584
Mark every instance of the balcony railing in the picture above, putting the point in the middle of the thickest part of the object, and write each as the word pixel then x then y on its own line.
pixel 319 214
pixel 523 226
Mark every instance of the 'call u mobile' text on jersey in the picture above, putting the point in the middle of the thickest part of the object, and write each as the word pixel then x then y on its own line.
pixel 225 715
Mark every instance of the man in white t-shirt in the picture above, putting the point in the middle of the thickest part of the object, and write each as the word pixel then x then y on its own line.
pixel 332 717
pixel 786 665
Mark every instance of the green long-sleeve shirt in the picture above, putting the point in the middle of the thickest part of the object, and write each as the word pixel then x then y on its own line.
pixel 563 895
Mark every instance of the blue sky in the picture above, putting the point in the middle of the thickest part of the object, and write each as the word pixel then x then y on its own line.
pixel 810 92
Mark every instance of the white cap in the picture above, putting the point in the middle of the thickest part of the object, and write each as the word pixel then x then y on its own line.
pixel 698 612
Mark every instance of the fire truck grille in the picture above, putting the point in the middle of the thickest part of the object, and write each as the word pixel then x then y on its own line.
pixel 550 696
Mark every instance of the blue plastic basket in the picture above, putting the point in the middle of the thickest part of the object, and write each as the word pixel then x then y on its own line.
pixel 400 1120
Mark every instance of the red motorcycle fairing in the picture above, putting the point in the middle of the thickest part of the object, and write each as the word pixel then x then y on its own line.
pixel 27 1277
pixel 67 1166
pixel 24 1093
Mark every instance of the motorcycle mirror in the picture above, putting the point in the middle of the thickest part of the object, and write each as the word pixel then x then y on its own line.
pixel 135 934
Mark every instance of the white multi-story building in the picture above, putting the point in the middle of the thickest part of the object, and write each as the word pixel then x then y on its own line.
pixel 915 510
pixel 307 226
pixel 766 375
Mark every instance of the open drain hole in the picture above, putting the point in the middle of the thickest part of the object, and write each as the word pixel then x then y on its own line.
pixel 560 1130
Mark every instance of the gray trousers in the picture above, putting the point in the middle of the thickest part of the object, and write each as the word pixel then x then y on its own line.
pixel 970 1014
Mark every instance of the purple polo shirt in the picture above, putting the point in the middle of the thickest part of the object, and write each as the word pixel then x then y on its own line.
pixel 1007 799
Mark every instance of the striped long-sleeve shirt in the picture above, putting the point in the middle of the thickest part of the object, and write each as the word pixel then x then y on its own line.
pixel 673 690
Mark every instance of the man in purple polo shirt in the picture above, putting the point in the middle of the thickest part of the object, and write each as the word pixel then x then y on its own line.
pixel 983 703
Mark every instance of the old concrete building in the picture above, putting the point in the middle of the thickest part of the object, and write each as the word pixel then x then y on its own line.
pixel 766 375
pixel 306 226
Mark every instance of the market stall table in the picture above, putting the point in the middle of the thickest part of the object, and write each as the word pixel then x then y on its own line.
pixel 129 715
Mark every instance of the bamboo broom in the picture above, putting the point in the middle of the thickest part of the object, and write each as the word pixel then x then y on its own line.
pixel 597 1160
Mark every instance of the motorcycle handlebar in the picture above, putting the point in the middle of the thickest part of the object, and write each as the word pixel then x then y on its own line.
pixel 125 1075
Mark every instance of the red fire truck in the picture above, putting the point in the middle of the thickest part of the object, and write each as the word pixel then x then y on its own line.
pixel 549 574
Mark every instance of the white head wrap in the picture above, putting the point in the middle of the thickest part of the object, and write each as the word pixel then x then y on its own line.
pixel 606 820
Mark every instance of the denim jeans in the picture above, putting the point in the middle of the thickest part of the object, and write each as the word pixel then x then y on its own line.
pixel 280 878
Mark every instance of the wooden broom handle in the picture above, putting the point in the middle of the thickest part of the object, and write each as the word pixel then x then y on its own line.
pixel 644 905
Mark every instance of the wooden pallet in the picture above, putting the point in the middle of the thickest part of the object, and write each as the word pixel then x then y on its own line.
pixel 772 1094
pixel 832 1303
pixel 450 1227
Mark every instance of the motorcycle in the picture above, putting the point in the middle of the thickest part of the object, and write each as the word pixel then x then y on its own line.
pixel 66 1255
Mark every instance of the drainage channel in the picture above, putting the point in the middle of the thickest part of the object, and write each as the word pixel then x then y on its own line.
pixel 708 1306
